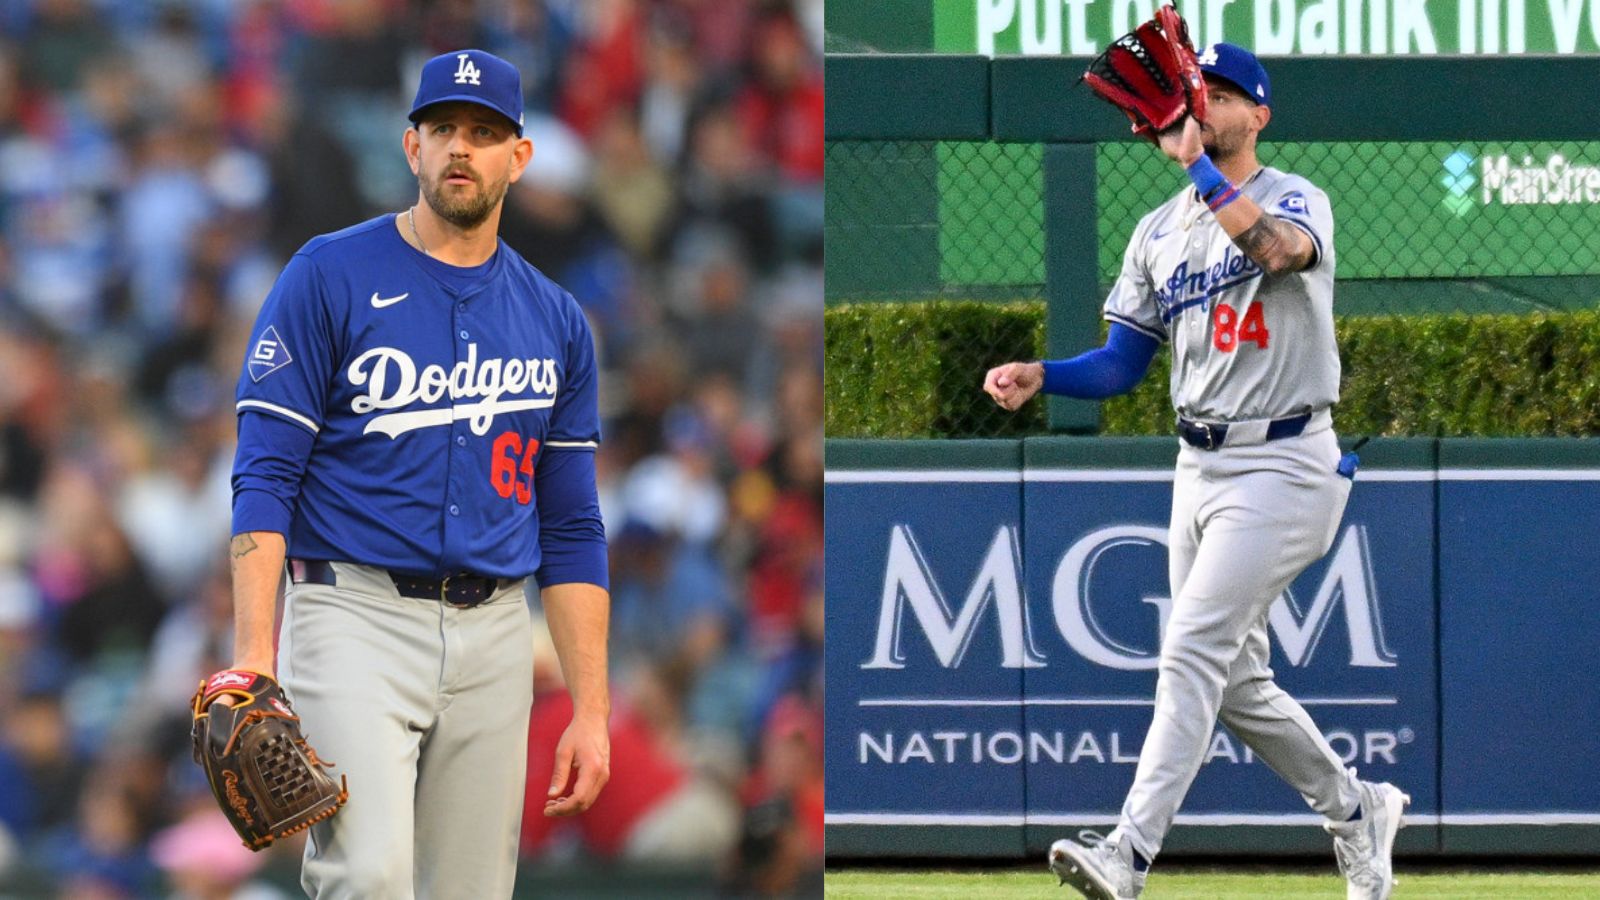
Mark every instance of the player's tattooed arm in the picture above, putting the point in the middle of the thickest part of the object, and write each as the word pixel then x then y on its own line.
pixel 241 545
pixel 256 558
pixel 1276 246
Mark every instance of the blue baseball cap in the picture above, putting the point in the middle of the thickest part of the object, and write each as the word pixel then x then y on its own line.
pixel 471 76
pixel 1239 67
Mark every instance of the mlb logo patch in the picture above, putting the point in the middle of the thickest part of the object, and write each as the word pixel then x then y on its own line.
pixel 268 355
pixel 1294 202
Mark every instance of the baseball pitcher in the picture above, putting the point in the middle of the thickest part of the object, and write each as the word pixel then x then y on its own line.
pixel 417 424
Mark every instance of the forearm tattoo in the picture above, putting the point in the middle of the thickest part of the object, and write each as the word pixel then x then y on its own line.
pixel 240 546
pixel 1273 244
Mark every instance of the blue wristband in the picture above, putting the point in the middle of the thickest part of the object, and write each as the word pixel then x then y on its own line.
pixel 1206 176
pixel 1214 187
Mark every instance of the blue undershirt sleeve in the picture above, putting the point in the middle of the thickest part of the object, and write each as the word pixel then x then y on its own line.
pixel 572 537
pixel 267 469
pixel 1105 371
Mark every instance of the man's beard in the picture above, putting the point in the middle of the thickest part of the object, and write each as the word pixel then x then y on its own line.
pixel 1220 146
pixel 463 210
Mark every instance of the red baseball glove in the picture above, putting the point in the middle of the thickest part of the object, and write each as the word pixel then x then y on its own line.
pixel 1152 75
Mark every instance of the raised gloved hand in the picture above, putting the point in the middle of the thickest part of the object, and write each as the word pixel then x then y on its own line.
pixel 1152 75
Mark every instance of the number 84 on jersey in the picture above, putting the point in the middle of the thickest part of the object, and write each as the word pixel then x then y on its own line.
pixel 1229 329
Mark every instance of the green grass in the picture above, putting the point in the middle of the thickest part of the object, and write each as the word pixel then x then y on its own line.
pixel 1196 883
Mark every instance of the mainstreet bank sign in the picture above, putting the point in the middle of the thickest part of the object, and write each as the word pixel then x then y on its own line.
pixel 992 645
pixel 1277 27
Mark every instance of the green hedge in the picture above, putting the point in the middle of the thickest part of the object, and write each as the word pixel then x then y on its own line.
pixel 916 370
pixel 907 369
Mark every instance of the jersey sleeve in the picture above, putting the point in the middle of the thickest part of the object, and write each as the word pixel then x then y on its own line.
pixel 268 466
pixel 575 419
pixel 572 537
pixel 288 364
pixel 1132 301
pixel 1304 205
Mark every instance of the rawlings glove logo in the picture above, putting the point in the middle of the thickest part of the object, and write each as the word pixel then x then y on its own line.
pixel 236 800
pixel 229 679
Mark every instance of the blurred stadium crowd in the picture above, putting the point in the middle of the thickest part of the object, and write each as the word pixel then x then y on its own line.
pixel 160 161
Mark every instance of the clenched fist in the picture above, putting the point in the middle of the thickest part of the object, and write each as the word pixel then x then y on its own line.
pixel 1013 384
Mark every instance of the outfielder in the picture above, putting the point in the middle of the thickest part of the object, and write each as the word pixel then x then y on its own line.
pixel 1237 274
pixel 417 426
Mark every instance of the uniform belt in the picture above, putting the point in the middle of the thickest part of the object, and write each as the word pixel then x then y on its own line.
pixel 1210 436
pixel 460 591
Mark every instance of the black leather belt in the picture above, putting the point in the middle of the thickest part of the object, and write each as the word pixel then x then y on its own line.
pixel 1207 436
pixel 459 591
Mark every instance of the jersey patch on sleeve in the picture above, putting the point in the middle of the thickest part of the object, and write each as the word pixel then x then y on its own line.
pixel 1293 202
pixel 268 355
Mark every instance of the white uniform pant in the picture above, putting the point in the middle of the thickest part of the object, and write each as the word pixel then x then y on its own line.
pixel 424 708
pixel 1245 521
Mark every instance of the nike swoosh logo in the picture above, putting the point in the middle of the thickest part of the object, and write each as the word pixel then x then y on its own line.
pixel 1159 235
pixel 381 302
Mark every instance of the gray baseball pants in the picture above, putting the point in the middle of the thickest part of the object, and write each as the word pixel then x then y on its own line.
pixel 1245 521
pixel 424 707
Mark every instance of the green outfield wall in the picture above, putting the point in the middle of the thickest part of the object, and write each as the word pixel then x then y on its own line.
pixel 1459 184
pixel 1269 27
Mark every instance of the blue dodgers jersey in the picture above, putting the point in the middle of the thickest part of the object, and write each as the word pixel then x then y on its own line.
pixel 433 393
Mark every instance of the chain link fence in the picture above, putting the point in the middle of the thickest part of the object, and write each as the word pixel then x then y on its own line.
pixel 1421 228
pixel 950 231
pixel 927 220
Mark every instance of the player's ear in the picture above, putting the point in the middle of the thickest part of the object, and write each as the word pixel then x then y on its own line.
pixel 412 141
pixel 521 155
pixel 1263 115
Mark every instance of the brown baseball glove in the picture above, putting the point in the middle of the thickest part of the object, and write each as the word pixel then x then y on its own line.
pixel 268 780
pixel 1152 75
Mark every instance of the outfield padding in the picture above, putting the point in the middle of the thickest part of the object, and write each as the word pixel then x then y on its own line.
pixel 1441 645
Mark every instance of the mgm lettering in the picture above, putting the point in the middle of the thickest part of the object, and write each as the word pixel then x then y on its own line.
pixel 909 586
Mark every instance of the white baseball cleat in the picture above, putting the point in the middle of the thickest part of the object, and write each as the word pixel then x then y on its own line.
pixel 1098 868
pixel 1364 847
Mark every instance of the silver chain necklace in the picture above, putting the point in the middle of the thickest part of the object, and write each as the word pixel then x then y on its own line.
pixel 411 219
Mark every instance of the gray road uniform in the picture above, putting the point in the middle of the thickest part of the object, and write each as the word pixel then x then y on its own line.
pixel 1256 497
